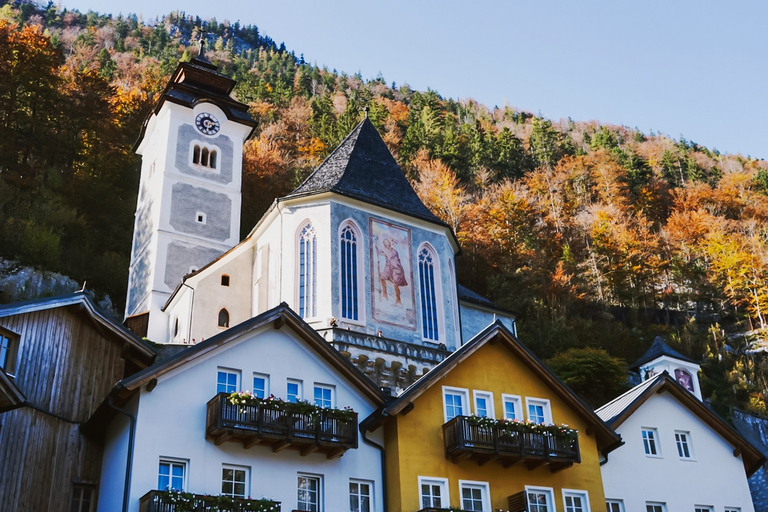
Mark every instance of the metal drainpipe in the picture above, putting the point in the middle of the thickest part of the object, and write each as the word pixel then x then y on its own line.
pixel 383 466
pixel 129 462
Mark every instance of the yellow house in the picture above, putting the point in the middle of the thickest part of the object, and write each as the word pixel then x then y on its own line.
pixel 446 448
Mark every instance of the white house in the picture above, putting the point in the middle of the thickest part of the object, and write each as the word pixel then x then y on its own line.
pixel 172 424
pixel 677 455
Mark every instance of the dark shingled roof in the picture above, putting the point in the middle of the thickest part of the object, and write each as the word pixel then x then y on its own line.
pixel 658 349
pixel 362 167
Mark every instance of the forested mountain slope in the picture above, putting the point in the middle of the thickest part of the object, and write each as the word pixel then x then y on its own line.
pixel 597 235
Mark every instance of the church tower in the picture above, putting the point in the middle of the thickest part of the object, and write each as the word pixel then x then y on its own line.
pixel 663 358
pixel 188 209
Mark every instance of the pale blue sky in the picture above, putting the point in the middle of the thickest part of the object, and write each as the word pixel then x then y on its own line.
pixel 697 68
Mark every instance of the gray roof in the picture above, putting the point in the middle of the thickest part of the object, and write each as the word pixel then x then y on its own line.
pixel 362 167
pixel 659 349
pixel 468 295
pixel 615 407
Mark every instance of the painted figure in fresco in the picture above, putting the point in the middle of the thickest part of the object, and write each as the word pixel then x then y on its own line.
pixel 393 270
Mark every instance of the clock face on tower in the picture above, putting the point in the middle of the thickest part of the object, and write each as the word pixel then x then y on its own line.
pixel 207 124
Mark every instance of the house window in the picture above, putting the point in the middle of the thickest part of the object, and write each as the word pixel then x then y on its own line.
pixel 9 344
pixel 293 390
pixel 323 396
pixel 433 492
pixel 309 490
pixel 227 381
pixel 234 481
pixel 651 506
pixel 540 499
pixel 83 498
pixel 513 410
pixel 224 280
pixel 614 505
pixel 429 318
pixel 650 440
pixel 575 501
pixel 683 441
pixel 201 218
pixel 484 404
pixel 307 272
pixel 223 318
pixel 260 385
pixel 350 286
pixel 538 410
pixel 474 496
pixel 455 402
pixel 703 508
pixel 732 509
pixel 360 496
pixel 171 474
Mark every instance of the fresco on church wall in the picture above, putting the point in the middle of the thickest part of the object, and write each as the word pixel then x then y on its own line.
pixel 392 295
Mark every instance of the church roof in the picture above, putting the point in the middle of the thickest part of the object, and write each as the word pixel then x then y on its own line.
pixel 362 168
pixel 465 294
pixel 659 349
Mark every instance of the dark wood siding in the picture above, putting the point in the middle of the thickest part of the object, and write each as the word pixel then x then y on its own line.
pixel 66 366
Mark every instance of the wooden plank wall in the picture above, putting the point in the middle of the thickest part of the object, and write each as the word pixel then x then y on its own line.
pixel 66 367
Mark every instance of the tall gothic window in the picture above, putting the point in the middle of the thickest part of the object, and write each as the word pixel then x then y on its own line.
pixel 349 288
pixel 429 319
pixel 308 272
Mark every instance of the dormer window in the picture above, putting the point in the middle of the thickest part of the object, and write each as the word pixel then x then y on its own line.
pixel 205 156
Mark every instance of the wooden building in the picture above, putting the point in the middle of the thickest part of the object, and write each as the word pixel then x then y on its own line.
pixel 59 357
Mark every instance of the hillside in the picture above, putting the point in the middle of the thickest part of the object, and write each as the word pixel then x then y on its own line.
pixel 597 235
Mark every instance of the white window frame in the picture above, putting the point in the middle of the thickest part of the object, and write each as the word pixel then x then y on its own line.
pixel 359 494
pixel 656 443
pixel 78 492
pixel 438 284
pixel 732 509
pixel 360 281
pixel 619 505
pixel 300 383
pixel 662 506
pixel 488 396
pixel 320 497
pixel 174 462
pixel 517 400
pixel 485 489
pixel 9 349
pixel 548 491
pixel 233 467
pixel 310 288
pixel 237 373
pixel 445 495
pixel 584 495
pixel 264 376
pixel 703 508
pixel 544 403
pixel 201 218
pixel 465 408
pixel 688 444
pixel 324 387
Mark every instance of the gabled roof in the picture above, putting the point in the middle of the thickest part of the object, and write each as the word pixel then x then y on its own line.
pixel 607 439
pixel 81 301
pixel 279 316
pixel 10 396
pixel 362 168
pixel 618 410
pixel 659 349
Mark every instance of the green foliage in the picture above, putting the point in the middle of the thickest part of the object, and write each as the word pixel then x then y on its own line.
pixel 592 373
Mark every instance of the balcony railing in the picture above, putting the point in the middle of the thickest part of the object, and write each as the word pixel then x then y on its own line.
pixel 267 424
pixel 465 440
pixel 160 501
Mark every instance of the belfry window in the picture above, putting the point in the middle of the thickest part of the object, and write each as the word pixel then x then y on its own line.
pixel 307 271
pixel 223 318
pixel 349 284
pixel 204 156
pixel 429 318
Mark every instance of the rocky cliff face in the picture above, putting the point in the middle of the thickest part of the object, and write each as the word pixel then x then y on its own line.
pixel 18 283
pixel 755 430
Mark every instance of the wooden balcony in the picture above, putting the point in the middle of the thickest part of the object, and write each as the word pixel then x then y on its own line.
pixel 267 425
pixel 463 440
pixel 158 501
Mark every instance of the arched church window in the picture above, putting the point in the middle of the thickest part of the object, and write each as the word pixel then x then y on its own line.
pixel 196 155
pixel 429 318
pixel 204 156
pixel 212 159
pixel 307 271
pixel 350 294
pixel 223 318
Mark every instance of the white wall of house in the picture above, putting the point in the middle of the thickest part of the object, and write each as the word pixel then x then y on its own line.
pixel 114 461
pixel 712 477
pixel 172 421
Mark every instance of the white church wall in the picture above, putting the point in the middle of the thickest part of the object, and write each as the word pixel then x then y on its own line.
pixel 172 420
pixel 475 318
pixel 711 477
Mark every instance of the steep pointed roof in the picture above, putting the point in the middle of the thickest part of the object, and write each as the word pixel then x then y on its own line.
pixel 362 167
pixel 658 349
